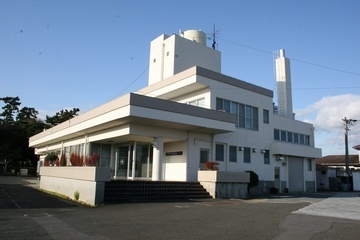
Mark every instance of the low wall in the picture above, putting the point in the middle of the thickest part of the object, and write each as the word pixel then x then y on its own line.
pixel 356 180
pixel 89 182
pixel 225 184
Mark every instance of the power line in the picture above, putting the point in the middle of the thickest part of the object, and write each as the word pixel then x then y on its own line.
pixel 293 59
pixel 324 88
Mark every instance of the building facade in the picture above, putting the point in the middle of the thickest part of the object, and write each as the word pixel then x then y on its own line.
pixel 190 113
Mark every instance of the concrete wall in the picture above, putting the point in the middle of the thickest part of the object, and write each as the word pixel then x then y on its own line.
pixel 88 181
pixel 225 184
pixel 356 180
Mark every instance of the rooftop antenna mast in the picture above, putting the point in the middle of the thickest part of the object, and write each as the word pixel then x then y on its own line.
pixel 213 37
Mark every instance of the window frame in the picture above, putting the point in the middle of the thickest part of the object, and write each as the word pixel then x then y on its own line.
pixel 266 116
pixel 267 157
pixel 247 155
pixel 217 154
pixel 232 153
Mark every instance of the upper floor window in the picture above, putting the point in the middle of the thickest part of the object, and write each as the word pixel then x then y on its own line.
pixel 198 102
pixel 247 116
pixel 266 116
pixel 291 137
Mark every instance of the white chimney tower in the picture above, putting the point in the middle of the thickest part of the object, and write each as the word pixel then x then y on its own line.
pixel 283 82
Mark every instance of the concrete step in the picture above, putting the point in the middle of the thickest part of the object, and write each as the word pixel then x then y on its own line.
pixel 123 191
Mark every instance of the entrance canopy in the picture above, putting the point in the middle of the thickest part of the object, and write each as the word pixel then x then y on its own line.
pixel 140 117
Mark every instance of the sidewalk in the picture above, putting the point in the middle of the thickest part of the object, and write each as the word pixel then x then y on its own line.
pixel 343 205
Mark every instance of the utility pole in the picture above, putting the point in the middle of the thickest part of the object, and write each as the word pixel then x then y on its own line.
pixel 347 122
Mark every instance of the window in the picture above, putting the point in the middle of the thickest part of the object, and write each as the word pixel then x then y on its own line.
pixel 309 163
pixel 219 104
pixel 302 139
pixel 248 116
pixel 232 154
pixel 289 137
pixel 247 155
pixel 198 102
pixel 255 119
pixel 201 102
pixel 277 134
pixel 267 157
pixel 296 138
pixel 234 108
pixel 204 157
pixel 266 116
pixel 241 119
pixel 226 106
pixel 220 152
pixel 283 136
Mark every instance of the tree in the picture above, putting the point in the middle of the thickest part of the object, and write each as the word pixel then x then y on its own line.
pixel 10 109
pixel 62 116
pixel 17 125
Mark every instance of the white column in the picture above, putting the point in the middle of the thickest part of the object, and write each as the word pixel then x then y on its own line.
pixel 158 149
pixel 133 161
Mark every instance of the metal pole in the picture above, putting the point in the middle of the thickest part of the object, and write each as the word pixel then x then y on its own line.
pixel 346 123
pixel 347 154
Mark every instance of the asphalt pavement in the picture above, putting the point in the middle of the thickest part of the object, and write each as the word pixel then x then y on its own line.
pixel 27 213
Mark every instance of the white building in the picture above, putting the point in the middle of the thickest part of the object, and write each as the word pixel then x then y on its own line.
pixel 189 114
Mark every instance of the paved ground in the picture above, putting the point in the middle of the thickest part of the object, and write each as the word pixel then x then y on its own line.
pixel 26 213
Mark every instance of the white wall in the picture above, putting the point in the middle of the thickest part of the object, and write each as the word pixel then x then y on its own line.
pixel 174 167
pixel 171 55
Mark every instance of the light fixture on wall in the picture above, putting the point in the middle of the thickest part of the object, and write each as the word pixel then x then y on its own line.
pixel 241 149
pixel 263 151
pixel 279 158
pixel 254 150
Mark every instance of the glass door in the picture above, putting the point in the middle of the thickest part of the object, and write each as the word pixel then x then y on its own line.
pixel 122 161
pixel 134 162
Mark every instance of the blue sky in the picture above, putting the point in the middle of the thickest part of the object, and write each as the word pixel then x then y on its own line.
pixel 65 54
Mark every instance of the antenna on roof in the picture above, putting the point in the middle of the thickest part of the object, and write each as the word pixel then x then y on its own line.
pixel 213 37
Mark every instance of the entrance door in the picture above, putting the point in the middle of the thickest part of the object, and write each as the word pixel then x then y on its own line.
pixel 122 164
pixel 139 158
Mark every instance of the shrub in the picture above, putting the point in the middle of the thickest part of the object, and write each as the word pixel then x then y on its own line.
pixel 76 160
pixel 254 180
pixel 211 166
pixel 92 160
pixel 51 158
pixel 274 190
pixel 63 160
pixel 76 195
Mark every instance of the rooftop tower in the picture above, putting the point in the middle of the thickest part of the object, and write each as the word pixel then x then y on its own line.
pixel 170 55
pixel 283 82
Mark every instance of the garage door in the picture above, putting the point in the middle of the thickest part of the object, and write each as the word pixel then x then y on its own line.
pixel 296 174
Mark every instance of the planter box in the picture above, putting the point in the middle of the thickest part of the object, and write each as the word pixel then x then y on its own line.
pixel 88 181
pixel 225 184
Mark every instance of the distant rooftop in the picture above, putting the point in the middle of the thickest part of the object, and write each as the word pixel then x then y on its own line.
pixel 337 160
